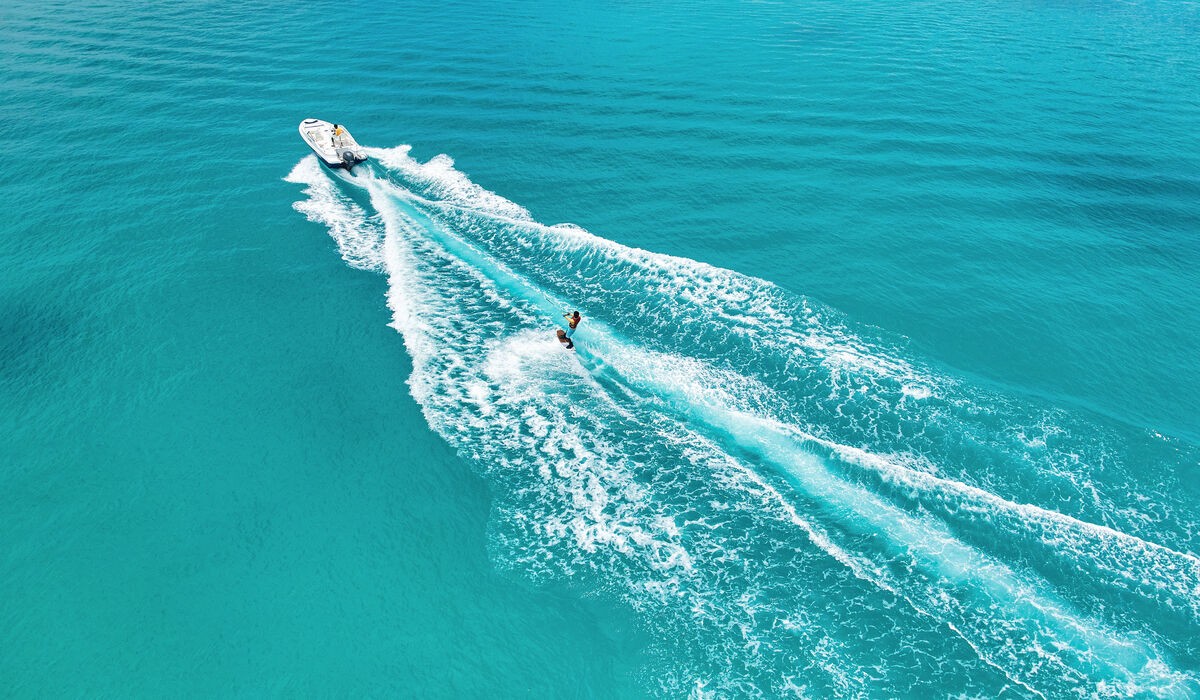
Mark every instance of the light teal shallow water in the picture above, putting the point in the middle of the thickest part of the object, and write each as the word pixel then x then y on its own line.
pixel 887 385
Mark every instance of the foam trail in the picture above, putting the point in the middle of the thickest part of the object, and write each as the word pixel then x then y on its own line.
pixel 683 472
pixel 933 544
pixel 359 238
pixel 871 390
pixel 506 394
pixel 1114 558
pixel 936 547
pixel 851 361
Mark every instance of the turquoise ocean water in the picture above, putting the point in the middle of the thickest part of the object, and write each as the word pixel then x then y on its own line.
pixel 888 383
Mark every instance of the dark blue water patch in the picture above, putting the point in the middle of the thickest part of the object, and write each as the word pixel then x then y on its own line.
pixel 34 334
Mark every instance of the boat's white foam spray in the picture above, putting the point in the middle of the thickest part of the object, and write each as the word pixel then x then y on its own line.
pixel 795 508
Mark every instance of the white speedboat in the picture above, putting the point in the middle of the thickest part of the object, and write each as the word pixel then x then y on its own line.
pixel 332 143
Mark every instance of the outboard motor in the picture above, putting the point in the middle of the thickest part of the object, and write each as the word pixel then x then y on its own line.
pixel 348 156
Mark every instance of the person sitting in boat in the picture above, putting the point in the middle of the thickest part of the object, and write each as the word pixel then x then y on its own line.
pixel 573 320
pixel 565 340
